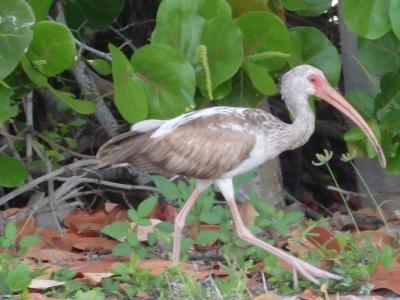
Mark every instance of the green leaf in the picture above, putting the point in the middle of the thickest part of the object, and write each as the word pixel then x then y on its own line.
pixel 10 231
pixel 15 34
pixel 33 74
pixel 394 12
pixel 40 8
pixel 292 217
pixel 167 188
pixel 116 230
pixel 206 237
pixel 240 7
pixel 312 47
pixel 12 172
pixel 391 121
pixel 380 56
pixel 256 39
pixel 205 8
pixel 96 14
pixel 261 79
pixel 144 222
pixel 223 40
pixel 389 97
pixel 180 30
pixel 6 111
pixel 18 278
pixel 129 96
pixel 29 240
pixel 52 49
pixel 80 106
pixel 307 7
pixel 133 215
pixel 367 18
pixel 362 101
pixel 89 295
pixel 168 80
pixel 123 249
pixel 147 206
pixel 101 66
pixel 210 217
pixel 132 239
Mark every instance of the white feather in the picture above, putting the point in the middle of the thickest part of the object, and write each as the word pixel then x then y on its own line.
pixel 147 125
pixel 170 125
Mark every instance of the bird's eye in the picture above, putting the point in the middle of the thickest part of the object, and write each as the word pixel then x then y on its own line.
pixel 312 79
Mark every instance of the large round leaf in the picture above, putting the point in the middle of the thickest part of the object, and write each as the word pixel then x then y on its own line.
pixel 223 40
pixel 129 96
pixel 367 18
pixel 381 55
pixel 261 79
pixel 264 32
pixel 40 8
pixel 96 14
pixel 312 47
pixel 206 8
pixel 16 17
pixel 6 111
pixel 12 172
pixel 240 7
pixel 394 13
pixel 180 30
pixel 52 49
pixel 168 79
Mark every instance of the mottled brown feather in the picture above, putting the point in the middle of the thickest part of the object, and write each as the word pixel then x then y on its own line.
pixel 203 148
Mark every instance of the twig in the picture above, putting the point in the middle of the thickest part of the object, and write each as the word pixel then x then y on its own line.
pixel 264 282
pixel 7 136
pixel 111 184
pixel 60 147
pixel 96 52
pixel 136 24
pixel 29 125
pixel 346 192
pixel 31 184
pixel 126 40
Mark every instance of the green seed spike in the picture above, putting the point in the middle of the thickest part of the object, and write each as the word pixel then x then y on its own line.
pixel 202 57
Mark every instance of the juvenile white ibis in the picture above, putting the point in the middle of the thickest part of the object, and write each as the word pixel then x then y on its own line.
pixel 213 145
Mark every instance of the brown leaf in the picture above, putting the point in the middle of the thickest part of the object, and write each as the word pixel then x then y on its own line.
pixel 248 213
pixel 54 255
pixel 38 296
pixel 25 227
pixel 144 231
pixel 308 294
pixel 387 279
pixel 379 238
pixel 95 278
pixel 98 266
pixel 321 236
pixel 164 212
pixel 115 212
pixel 83 221
pixel 44 284
pixel 268 296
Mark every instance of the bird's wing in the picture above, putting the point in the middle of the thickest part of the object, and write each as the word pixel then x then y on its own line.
pixel 201 144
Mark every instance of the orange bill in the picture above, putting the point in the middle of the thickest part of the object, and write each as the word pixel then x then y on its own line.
pixel 334 98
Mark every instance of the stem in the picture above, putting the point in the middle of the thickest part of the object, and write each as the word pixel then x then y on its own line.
pixel 364 183
pixel 343 198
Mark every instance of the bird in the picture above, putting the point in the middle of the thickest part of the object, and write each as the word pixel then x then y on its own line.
pixel 214 144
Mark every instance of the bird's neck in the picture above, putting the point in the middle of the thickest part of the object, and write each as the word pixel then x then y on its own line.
pixel 303 124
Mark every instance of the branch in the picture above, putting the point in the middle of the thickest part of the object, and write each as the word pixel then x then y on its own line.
pixel 55 173
pixel 96 52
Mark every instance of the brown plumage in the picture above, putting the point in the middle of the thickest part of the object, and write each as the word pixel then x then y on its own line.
pixel 203 148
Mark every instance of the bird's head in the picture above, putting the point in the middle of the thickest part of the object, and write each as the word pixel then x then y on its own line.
pixel 308 80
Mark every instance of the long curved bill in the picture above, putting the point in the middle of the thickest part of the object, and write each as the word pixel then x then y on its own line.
pixel 334 98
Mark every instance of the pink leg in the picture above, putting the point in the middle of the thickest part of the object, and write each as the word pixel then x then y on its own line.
pixel 181 218
pixel 306 269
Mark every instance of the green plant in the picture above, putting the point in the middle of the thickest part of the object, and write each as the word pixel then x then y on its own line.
pixel 126 232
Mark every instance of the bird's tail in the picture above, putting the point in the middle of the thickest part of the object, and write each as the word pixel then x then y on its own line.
pixel 118 149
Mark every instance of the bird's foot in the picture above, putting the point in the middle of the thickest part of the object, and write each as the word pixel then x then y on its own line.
pixel 309 271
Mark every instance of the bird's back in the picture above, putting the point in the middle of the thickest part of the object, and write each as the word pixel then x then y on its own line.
pixel 204 144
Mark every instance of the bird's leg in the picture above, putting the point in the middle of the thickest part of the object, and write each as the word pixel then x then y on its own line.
pixel 181 218
pixel 307 270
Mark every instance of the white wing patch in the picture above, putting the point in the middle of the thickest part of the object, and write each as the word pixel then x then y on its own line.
pixel 170 125
pixel 147 125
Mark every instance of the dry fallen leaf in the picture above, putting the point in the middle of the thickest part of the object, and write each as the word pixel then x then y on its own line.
pixel 38 296
pixel 268 296
pixel 43 284
pixel 321 236
pixel 144 231
pixel 96 278
pixel 83 221
pixel 164 212
pixel 54 255
pixel 387 279
pixel 248 213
